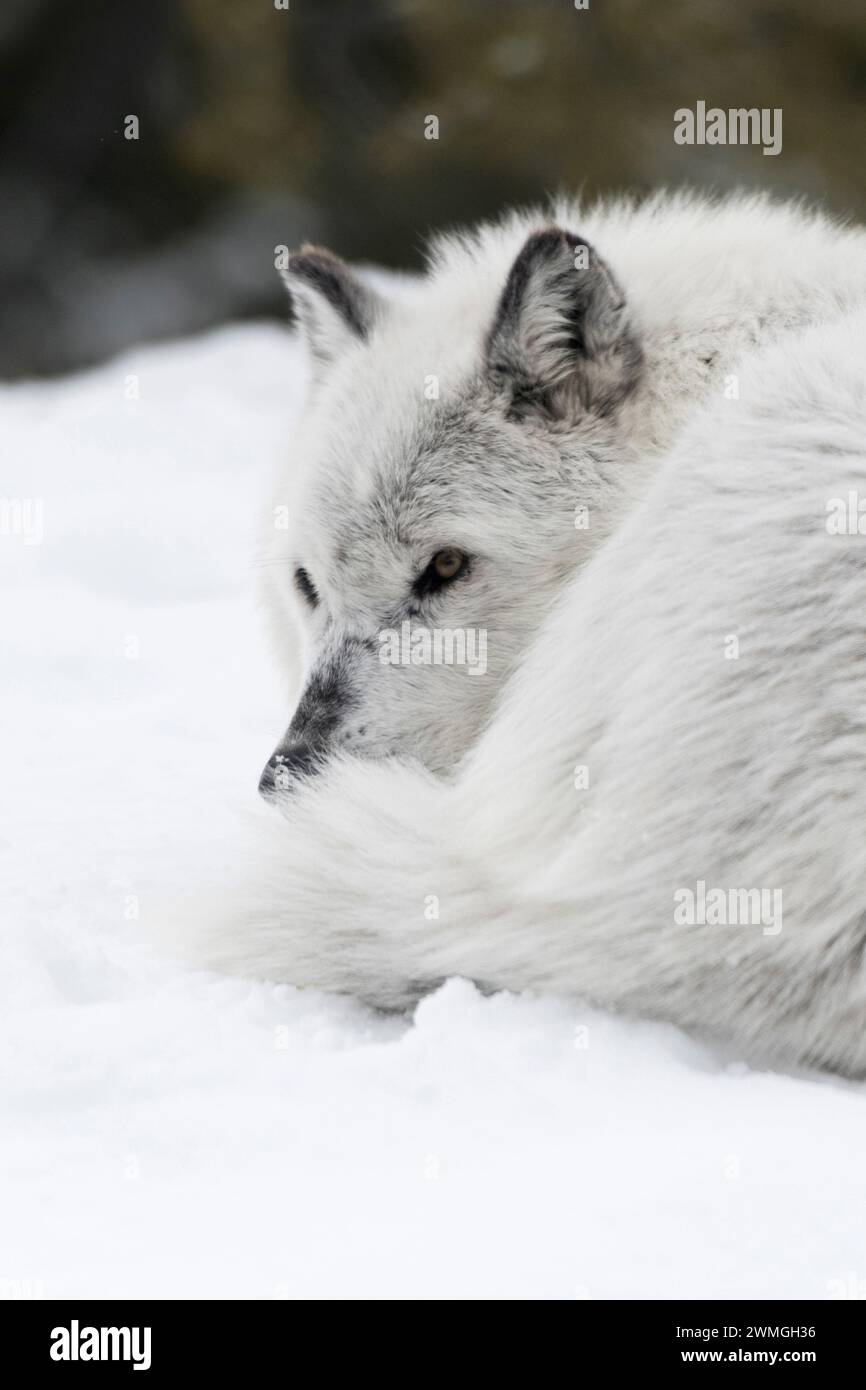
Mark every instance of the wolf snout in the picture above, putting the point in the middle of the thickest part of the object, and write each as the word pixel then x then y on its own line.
pixel 286 766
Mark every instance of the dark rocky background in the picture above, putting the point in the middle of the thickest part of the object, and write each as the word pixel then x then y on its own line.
pixel 261 126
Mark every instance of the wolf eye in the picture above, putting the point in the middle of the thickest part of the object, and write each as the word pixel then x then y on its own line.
pixel 448 563
pixel 446 566
pixel 305 586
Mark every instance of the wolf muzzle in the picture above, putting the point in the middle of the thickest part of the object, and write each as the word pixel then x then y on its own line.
pixel 314 730
pixel 288 763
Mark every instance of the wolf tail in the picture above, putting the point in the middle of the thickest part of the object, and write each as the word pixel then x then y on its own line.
pixel 360 886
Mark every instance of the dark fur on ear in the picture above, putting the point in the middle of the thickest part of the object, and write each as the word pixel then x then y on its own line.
pixel 331 304
pixel 561 340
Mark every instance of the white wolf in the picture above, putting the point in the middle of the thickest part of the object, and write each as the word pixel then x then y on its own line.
pixel 628 443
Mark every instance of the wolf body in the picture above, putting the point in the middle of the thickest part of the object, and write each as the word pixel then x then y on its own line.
pixel 636 427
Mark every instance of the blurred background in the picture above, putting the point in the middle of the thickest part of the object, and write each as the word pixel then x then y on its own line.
pixel 260 125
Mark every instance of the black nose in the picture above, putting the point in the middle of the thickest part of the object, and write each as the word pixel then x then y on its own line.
pixel 286 766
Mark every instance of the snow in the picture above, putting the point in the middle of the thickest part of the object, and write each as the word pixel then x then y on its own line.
pixel 170 1133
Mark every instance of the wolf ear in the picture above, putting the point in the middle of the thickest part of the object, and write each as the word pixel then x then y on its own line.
pixel 561 341
pixel 333 307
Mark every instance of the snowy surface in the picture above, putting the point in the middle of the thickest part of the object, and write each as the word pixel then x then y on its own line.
pixel 172 1134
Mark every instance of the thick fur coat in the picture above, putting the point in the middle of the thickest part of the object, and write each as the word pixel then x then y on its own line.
pixel 655 796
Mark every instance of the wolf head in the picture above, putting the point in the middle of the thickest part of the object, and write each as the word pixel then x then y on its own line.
pixel 462 451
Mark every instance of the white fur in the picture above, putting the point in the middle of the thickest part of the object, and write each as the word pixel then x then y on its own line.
pixel 744 773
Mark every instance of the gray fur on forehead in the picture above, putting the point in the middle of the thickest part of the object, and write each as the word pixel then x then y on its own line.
pixel 455 459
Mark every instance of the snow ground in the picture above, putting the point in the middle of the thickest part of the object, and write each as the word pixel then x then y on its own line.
pixel 167 1133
